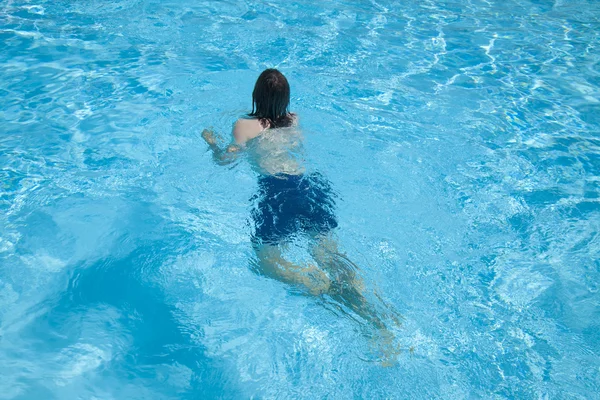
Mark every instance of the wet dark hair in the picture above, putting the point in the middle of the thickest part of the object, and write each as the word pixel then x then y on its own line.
pixel 271 99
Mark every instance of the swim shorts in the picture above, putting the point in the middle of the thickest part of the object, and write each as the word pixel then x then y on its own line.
pixel 288 204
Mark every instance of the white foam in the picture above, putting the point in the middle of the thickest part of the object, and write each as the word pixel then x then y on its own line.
pixel 35 9
pixel 79 359
pixel 26 34
pixel 8 296
pixel 520 287
pixel 525 337
pixel 45 262
pixel 583 88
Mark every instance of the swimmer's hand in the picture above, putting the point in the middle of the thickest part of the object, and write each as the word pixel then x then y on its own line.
pixel 220 156
pixel 209 137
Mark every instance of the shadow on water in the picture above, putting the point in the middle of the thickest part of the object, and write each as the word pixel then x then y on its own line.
pixel 155 340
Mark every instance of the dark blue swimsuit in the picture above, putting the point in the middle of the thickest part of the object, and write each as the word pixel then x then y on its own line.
pixel 288 204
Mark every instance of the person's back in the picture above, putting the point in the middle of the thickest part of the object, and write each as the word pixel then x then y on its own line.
pixel 277 151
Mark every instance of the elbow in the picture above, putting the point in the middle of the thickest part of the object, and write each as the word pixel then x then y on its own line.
pixel 223 160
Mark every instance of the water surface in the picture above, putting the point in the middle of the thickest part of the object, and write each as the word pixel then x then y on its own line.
pixel 462 137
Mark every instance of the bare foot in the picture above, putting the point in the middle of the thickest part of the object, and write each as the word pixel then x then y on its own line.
pixel 387 348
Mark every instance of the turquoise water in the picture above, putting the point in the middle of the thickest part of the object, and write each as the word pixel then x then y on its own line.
pixel 463 141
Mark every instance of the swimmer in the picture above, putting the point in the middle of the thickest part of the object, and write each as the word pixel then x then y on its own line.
pixel 292 201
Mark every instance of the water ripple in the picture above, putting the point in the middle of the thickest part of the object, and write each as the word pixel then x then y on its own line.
pixel 461 136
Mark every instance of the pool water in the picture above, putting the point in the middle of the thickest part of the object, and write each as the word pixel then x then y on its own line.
pixel 461 137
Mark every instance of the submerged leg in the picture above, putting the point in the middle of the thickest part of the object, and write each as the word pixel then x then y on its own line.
pixel 272 264
pixel 347 288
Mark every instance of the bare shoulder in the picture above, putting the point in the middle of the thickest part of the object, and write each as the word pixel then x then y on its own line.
pixel 245 129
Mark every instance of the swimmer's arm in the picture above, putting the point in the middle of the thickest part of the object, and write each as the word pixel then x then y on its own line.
pixel 243 131
pixel 221 156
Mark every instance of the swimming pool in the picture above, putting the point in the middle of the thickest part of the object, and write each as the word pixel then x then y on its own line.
pixel 462 138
